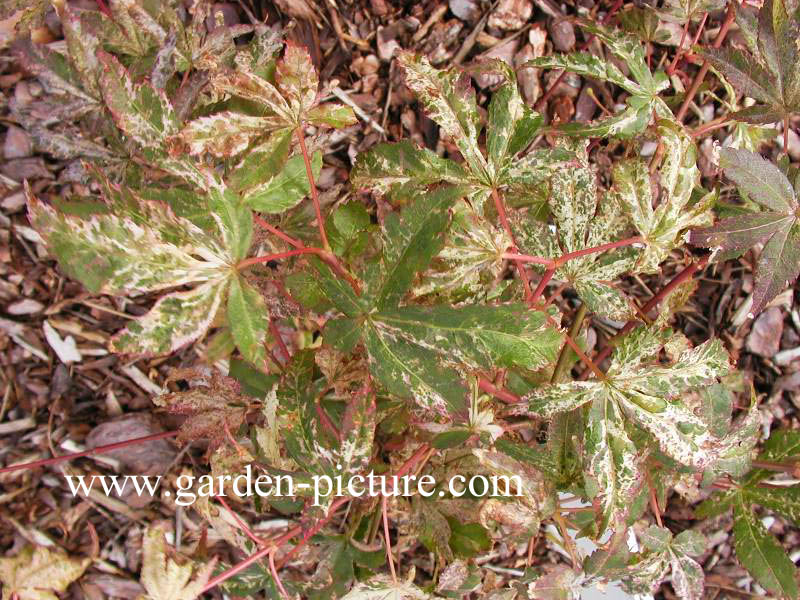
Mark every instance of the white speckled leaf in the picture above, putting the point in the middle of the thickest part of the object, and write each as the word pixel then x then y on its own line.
pixel 450 101
pixel 174 321
pixel 612 464
pixel 141 112
pixel 223 134
pixel 477 336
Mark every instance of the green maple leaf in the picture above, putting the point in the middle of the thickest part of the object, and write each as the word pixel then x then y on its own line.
pixel 776 225
pixel 645 88
pixel 756 549
pixel 767 71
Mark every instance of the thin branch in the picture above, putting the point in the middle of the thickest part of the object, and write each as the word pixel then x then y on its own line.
pixel 254 260
pixel 274 230
pixel 499 393
pixel 561 366
pixel 313 187
pixel 273 327
pixel 388 543
pixel 275 577
pixel 501 213
pixel 680 278
pixel 674 63
pixel 91 452
pixel 701 74
pixel 242 525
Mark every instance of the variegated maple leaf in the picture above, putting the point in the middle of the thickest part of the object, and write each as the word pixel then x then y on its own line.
pixel 645 88
pixel 140 246
pixel 284 95
pixel 421 352
pixel 662 225
pixel 635 394
pixel 382 587
pixel 449 99
pixel 580 222
pixel 776 225
pixel 662 554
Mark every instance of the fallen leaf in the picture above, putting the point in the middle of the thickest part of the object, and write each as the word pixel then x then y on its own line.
pixel 36 573
pixel 765 336
pixel 65 349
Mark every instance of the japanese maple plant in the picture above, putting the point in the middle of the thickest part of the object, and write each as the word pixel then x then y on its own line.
pixel 433 316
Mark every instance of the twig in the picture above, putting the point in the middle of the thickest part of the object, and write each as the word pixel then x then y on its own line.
pixel 701 74
pixel 313 187
pixel 499 393
pixel 275 577
pixel 681 277
pixel 91 452
pixel 342 95
pixel 501 213
pixel 273 327
pixel 561 366
pixel 388 543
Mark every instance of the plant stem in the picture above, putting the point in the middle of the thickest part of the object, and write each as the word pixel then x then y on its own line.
pixel 328 257
pixel 711 125
pixel 681 277
pixel 557 262
pixel 527 258
pixel 786 135
pixel 254 260
pixel 91 452
pixel 273 327
pixel 700 29
pixel 554 263
pixel 388 543
pixel 501 213
pixel 297 529
pixel 701 74
pixel 277 579
pixel 499 393
pixel 674 63
pixel 313 187
pixel 242 525
pixel 275 231
pixel 574 330
pixel 777 467
pixel 548 275
pixel 602 248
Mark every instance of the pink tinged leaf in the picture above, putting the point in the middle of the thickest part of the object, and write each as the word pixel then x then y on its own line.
pixel 778 266
pixel 297 78
pixel 759 179
pixel 740 232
